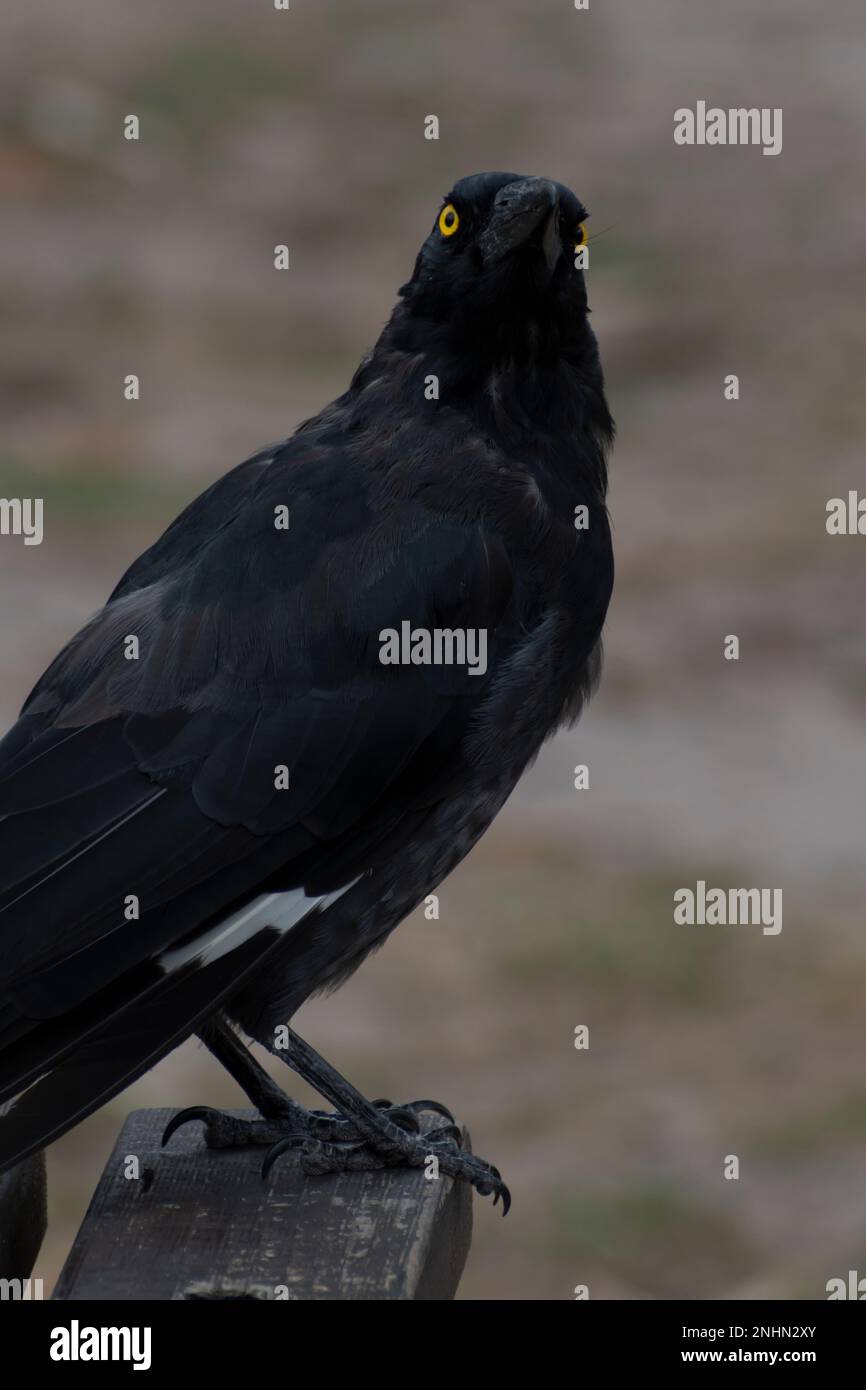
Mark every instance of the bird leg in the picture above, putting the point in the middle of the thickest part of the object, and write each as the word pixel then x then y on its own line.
pixel 358 1135
pixel 381 1142
pixel 280 1115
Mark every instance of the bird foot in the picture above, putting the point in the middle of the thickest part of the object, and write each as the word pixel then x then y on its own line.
pixel 440 1147
pixel 293 1121
pixel 327 1142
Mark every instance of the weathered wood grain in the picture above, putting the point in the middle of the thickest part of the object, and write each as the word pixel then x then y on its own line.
pixel 201 1224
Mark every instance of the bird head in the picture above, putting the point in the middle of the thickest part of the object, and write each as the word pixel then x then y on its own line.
pixel 498 272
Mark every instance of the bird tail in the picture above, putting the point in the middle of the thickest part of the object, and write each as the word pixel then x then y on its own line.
pixel 111 1052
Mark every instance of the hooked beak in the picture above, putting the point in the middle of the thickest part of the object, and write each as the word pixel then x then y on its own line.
pixel 525 213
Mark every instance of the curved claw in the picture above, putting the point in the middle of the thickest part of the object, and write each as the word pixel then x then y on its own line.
pixel 438 1136
pixel 205 1113
pixel 489 1183
pixel 291 1141
pixel 405 1118
pixel 498 1189
pixel 433 1105
pixel 401 1115
pixel 414 1106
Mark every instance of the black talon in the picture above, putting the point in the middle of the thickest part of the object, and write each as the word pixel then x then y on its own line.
pixel 433 1105
pixel 405 1118
pixel 443 1133
pixel 291 1141
pixel 205 1113
pixel 402 1115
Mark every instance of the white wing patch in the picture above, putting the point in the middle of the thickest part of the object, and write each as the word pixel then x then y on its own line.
pixel 281 911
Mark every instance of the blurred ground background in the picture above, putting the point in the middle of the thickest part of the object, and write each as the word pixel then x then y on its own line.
pixel 156 258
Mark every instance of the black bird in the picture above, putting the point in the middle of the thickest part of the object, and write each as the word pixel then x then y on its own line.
pixel 223 793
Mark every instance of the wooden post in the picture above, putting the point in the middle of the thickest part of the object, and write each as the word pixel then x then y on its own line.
pixel 201 1224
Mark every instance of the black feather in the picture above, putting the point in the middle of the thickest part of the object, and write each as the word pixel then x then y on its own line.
pixel 157 776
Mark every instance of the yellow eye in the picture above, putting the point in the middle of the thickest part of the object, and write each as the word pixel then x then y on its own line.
pixel 448 220
pixel 580 236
